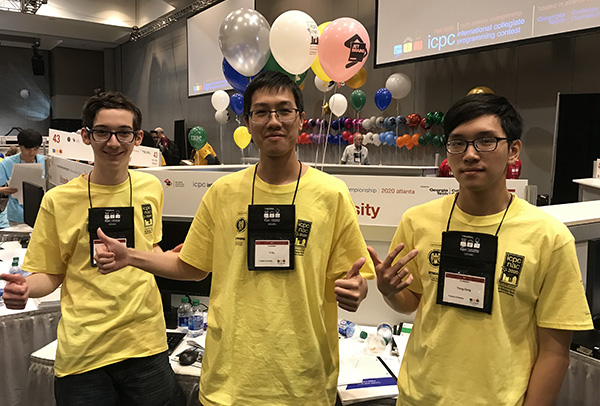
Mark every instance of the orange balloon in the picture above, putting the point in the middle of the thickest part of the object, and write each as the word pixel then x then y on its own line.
pixel 481 89
pixel 410 145
pixel 358 80
pixel 399 142
pixel 406 139
pixel 415 139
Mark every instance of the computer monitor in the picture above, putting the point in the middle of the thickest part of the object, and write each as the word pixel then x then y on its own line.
pixel 174 233
pixel 32 198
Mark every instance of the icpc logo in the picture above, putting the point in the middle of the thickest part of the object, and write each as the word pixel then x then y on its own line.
pixel 409 45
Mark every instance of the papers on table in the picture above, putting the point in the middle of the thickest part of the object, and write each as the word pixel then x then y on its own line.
pixel 32 173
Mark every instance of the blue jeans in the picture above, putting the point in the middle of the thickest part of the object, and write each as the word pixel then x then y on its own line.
pixel 147 381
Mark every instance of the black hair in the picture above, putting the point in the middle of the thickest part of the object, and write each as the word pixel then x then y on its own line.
pixel 474 106
pixel 148 141
pixel 109 100
pixel 272 80
pixel 29 138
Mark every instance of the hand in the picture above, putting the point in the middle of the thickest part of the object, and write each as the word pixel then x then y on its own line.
pixel 111 256
pixel 16 291
pixel 349 292
pixel 390 278
pixel 177 249
pixel 7 190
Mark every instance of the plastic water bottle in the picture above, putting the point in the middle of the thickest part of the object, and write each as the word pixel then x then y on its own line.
pixel 15 269
pixel 184 313
pixel 348 329
pixel 196 326
pixel 385 330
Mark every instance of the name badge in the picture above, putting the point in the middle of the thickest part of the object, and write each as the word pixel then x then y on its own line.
pixel 271 237
pixel 467 269
pixel 115 222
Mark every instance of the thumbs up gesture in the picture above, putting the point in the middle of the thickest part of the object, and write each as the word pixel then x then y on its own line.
pixel 16 291
pixel 111 256
pixel 351 290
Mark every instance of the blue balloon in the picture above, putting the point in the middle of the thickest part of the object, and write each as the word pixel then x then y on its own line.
pixel 335 124
pixel 236 101
pixel 401 120
pixel 382 137
pixel 389 122
pixel 338 139
pixel 331 138
pixel 390 138
pixel 383 98
pixel 238 81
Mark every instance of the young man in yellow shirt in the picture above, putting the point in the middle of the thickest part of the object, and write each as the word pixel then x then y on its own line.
pixel 283 243
pixel 495 284
pixel 112 336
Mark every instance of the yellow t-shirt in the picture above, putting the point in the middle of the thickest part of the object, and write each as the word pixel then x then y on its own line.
pixel 272 335
pixel 457 356
pixel 105 318
pixel 202 153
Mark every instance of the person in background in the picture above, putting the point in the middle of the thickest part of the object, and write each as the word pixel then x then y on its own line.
pixel 168 148
pixel 272 334
pixel 206 156
pixel 12 150
pixel 29 142
pixel 356 153
pixel 112 345
pixel 496 283
pixel 148 140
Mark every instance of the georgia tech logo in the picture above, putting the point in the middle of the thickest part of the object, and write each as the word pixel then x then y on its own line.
pixel 241 224
pixel 434 257
pixel 168 182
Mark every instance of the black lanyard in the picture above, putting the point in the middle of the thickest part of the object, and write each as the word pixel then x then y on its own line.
pixel 295 191
pixel 499 225
pixel 130 190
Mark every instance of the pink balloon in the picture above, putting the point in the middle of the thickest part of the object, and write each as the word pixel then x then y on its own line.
pixel 343 48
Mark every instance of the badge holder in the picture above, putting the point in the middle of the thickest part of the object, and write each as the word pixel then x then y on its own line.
pixel 271 237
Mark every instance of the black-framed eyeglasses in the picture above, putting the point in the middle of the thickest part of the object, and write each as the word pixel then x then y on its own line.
pixel 102 135
pixel 483 144
pixel 283 115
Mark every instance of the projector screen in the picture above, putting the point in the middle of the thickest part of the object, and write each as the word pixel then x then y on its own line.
pixel 410 30
pixel 205 60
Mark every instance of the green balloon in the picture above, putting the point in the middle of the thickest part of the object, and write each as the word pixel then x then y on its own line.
pixel 358 99
pixel 422 140
pixel 437 141
pixel 274 66
pixel 197 137
pixel 438 117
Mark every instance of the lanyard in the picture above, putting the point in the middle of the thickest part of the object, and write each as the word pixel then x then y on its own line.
pixel 499 225
pixel 130 189
pixel 297 182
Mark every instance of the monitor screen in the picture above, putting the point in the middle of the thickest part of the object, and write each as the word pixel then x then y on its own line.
pixel 411 30
pixel 32 198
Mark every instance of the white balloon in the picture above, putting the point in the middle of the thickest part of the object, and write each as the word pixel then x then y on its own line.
pixel 222 116
pixel 323 86
pixel 294 39
pixel 379 122
pixel 376 139
pixel 220 100
pixel 368 138
pixel 24 93
pixel 366 125
pixel 399 85
pixel 338 104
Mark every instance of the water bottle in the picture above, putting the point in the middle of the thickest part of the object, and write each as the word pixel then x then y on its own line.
pixel 348 329
pixel 384 330
pixel 184 313
pixel 196 326
pixel 15 269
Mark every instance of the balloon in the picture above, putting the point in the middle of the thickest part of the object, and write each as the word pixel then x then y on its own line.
pixel 343 48
pixel 390 138
pixel 236 101
pixel 294 40
pixel 377 139
pixel 323 86
pixel 437 141
pixel 222 116
pixel 358 80
pixel 481 89
pixel 415 138
pixel 244 41
pixel 220 100
pixel 425 122
pixel 316 65
pixel 274 66
pixel 383 98
pixel 345 135
pixel 24 93
pixel 367 124
pixel 401 120
pixel 410 145
pixel 338 104
pixel 389 122
pixel 238 81
pixel 399 142
pixel 358 99
pixel 241 137
pixel 413 120
pixel 422 141
pixel 348 123
pixel 399 85
pixel 379 122
pixel 350 139
pixel 197 137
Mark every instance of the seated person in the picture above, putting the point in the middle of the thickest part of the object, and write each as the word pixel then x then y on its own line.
pixel 206 156
pixel 29 142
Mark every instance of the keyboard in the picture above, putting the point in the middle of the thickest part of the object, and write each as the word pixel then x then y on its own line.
pixel 173 340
